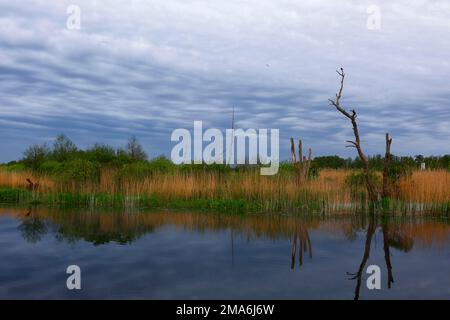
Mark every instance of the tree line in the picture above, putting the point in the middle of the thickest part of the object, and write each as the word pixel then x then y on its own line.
pixel 65 158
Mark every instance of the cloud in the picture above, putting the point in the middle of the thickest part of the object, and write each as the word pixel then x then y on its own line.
pixel 147 68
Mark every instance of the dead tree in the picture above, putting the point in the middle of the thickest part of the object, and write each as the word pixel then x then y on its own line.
pixel 294 160
pixel 387 160
pixel 357 143
pixel 300 168
pixel 32 186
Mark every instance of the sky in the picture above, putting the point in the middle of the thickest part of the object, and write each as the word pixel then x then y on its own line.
pixel 146 68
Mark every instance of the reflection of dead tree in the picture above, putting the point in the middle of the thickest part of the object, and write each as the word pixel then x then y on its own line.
pixel 232 246
pixel 300 168
pixel 304 245
pixel 369 235
pixel 357 143
pixel 387 254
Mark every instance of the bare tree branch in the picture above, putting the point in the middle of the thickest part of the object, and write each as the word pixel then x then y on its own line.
pixel 357 143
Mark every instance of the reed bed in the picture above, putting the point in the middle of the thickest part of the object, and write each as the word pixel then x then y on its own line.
pixel 425 187
pixel 421 191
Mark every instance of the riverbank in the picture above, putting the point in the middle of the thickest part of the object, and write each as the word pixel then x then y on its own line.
pixel 331 191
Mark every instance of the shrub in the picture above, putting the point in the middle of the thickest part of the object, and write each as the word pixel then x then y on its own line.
pixel 50 167
pixel 135 150
pixel 358 180
pixel 216 168
pixel 35 155
pixel 161 164
pixel 136 170
pixel 79 170
pixel 101 153
pixel 63 148
pixel 398 170
pixel 14 166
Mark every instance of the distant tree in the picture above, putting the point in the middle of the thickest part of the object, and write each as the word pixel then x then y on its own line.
pixel 35 155
pixel 101 153
pixel 419 159
pixel 135 150
pixel 334 162
pixel 63 148
pixel 80 170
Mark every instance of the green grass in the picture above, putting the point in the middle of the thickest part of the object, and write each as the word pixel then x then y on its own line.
pixel 307 203
pixel 14 195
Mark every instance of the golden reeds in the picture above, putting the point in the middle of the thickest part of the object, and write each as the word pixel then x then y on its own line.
pixel 425 187
pixel 330 188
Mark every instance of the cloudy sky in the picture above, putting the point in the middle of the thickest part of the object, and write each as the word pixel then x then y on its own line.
pixel 148 67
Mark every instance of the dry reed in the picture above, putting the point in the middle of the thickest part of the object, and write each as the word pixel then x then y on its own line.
pixel 422 187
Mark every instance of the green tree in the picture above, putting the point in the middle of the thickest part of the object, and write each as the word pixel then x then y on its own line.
pixel 63 148
pixel 79 170
pixel 35 155
pixel 101 153
pixel 135 150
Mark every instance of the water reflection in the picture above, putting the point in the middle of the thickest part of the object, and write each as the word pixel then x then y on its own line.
pixel 32 228
pixel 304 245
pixel 101 228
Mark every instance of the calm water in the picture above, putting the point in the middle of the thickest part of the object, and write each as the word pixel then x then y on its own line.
pixel 198 255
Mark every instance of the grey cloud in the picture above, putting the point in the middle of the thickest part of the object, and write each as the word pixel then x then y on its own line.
pixel 150 67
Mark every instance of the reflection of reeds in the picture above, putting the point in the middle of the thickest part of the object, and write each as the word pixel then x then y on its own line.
pixel 327 192
pixel 423 231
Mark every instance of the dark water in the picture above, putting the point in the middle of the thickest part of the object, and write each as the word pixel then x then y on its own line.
pixel 198 255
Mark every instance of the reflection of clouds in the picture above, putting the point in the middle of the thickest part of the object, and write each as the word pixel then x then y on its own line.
pixel 405 234
pixel 188 255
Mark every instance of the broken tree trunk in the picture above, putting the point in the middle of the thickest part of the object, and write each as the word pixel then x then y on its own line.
pixel 300 168
pixel 300 158
pixel 387 160
pixel 307 164
pixel 293 156
pixel 357 143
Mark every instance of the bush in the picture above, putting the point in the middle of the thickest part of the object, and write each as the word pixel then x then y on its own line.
pixel 14 166
pixel 50 167
pixel 161 164
pixel 397 171
pixel 313 171
pixel 214 168
pixel 358 180
pixel 332 162
pixel 79 170
pixel 137 170
pixel 63 148
pixel 35 155
pixel 101 153
pixel 143 169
